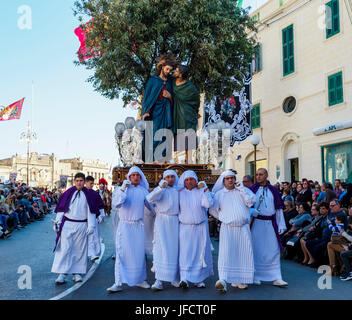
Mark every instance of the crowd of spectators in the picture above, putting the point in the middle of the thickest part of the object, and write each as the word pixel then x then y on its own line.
pixel 21 205
pixel 319 225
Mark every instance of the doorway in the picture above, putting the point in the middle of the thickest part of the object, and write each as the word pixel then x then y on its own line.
pixel 294 169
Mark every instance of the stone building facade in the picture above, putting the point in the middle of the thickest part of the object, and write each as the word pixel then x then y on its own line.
pixel 45 170
pixel 301 92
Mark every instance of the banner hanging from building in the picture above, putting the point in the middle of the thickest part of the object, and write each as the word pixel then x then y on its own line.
pixel 13 111
pixel 63 182
pixel 13 177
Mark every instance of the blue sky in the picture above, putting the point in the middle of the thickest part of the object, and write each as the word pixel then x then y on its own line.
pixel 70 118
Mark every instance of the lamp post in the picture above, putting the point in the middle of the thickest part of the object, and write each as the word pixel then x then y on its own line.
pixel 29 136
pixel 255 140
pixel 127 136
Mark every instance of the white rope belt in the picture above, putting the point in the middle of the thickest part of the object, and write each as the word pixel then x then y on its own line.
pixel 132 221
pixel 192 224
pixel 166 214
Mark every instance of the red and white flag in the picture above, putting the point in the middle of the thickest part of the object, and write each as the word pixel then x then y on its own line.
pixel 13 111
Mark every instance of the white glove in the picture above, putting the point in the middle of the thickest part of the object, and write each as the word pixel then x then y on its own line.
pixel 57 221
pixel 253 212
pixel 125 185
pixel 202 185
pixel 239 186
pixel 100 219
pixel 281 231
pixel 90 230
pixel 163 183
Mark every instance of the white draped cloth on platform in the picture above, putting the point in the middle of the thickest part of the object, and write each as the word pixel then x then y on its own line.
pixel 166 230
pixel 130 265
pixel 231 207
pixel 72 251
pixel 195 259
pixel 265 244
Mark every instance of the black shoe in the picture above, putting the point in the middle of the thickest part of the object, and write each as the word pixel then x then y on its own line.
pixel 313 265
pixel 347 277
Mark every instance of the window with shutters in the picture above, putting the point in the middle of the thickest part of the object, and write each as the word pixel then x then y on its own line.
pixel 255 116
pixel 335 88
pixel 288 50
pixel 257 60
pixel 332 18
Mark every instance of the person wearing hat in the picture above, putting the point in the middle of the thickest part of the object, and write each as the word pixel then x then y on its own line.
pixel 165 198
pixel 231 206
pixel 130 263
pixel 195 259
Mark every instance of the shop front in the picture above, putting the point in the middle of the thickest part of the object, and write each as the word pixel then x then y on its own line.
pixel 337 162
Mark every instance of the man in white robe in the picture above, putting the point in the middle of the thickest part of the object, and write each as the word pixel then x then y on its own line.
pixel 74 222
pixel 130 264
pixel 268 224
pixel 231 206
pixel 94 247
pixel 195 259
pixel 165 199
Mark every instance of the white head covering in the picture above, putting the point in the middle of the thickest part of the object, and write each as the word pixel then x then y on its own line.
pixel 184 176
pixel 220 182
pixel 143 183
pixel 169 173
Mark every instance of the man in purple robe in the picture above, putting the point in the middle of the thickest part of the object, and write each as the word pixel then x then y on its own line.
pixel 267 225
pixel 76 215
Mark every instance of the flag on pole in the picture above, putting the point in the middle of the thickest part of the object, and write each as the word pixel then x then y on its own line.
pixel 13 111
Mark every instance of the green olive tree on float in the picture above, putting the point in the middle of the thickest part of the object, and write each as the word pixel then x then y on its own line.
pixel 210 36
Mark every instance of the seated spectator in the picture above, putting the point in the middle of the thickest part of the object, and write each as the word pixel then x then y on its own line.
pixel 299 188
pixel 321 195
pixel 13 220
pixel 213 227
pixel 308 232
pixel 337 188
pixel 301 220
pixel 346 200
pixel 346 253
pixel 5 233
pixel 10 200
pixel 294 190
pixel 22 215
pixel 286 193
pixel 317 246
pixel 335 245
pixel 289 212
pixel 35 213
pixel 335 208
pixel 305 195
pixel 2 197
pixel 329 193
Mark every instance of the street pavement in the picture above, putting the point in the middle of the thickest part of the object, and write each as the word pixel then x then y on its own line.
pixel 33 247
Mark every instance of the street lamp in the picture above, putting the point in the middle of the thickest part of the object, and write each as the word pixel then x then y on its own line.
pixel 29 136
pixel 135 129
pixel 255 140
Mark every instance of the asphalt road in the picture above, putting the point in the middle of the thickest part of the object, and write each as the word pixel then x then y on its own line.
pixel 33 247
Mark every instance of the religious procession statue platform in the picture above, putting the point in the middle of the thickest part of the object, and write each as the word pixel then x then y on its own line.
pixel 154 172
